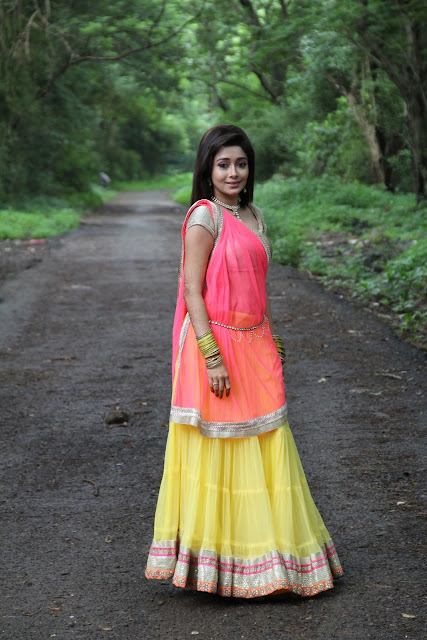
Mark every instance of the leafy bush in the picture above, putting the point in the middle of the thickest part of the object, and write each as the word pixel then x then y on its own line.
pixel 172 181
pixel 353 236
pixel 183 195
pixel 334 146
pixel 288 249
pixel 38 224
pixel 42 216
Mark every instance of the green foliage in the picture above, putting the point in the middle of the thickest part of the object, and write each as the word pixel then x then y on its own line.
pixel 289 249
pixel 67 113
pixel 43 217
pixel 353 237
pixel 36 224
pixel 171 181
pixel 300 77
pixel 334 147
pixel 183 195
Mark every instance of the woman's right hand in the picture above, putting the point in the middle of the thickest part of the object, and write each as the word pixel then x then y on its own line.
pixel 219 380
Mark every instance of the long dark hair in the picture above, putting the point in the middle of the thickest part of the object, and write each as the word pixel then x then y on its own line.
pixel 223 135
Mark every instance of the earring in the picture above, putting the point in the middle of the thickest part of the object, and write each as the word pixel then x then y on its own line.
pixel 244 190
pixel 210 182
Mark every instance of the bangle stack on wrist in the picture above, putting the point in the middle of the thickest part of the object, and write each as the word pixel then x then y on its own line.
pixel 280 347
pixel 209 349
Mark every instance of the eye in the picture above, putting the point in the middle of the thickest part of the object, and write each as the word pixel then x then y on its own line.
pixel 223 165
pixel 243 164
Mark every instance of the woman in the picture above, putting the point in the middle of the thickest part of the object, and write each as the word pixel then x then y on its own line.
pixel 234 514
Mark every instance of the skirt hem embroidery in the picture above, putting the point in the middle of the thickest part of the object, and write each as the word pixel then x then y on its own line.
pixel 234 577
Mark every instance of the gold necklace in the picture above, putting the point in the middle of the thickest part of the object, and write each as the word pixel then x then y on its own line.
pixel 233 208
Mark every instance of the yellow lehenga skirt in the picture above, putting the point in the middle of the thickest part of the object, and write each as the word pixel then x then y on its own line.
pixel 235 517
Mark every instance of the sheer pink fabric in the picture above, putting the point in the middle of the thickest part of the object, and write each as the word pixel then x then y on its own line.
pixel 234 295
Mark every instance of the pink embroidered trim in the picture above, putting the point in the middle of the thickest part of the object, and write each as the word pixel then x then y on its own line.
pixel 223 565
pixel 215 574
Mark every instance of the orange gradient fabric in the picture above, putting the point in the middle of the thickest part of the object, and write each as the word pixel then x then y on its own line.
pixel 234 295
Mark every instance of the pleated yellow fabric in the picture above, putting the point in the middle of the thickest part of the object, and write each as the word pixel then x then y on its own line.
pixel 235 516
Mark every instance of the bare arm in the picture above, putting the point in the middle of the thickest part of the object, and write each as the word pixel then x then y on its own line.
pixel 198 246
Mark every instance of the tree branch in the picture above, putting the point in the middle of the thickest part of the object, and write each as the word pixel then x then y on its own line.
pixel 75 58
pixel 259 75
pixel 241 86
pixel 16 7
pixel 247 4
pixel 158 19
pixel 284 8
pixel 149 45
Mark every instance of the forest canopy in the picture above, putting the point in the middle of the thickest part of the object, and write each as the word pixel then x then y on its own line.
pixel 329 88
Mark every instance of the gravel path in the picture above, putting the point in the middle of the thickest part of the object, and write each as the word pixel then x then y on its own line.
pixel 87 331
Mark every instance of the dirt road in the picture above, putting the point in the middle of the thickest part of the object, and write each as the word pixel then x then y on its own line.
pixel 87 330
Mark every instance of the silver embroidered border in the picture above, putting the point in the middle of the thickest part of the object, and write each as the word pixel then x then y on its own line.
pixel 182 337
pixel 219 223
pixel 262 233
pixel 253 427
pixel 230 576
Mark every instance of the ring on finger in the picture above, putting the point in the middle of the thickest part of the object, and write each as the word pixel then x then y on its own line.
pixel 215 384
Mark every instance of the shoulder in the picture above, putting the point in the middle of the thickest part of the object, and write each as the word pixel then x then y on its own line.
pixel 201 215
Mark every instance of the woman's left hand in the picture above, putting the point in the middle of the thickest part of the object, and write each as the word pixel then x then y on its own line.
pixel 219 380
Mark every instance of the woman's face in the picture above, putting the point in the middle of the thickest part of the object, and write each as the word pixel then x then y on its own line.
pixel 230 171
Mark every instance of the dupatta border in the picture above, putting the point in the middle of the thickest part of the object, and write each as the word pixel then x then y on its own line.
pixel 245 429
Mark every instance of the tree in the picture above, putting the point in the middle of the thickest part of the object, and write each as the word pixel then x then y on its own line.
pixel 58 65
pixel 391 35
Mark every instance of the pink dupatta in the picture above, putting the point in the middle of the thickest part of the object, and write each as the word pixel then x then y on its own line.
pixel 234 295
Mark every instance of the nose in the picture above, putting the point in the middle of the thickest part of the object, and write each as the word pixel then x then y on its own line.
pixel 233 171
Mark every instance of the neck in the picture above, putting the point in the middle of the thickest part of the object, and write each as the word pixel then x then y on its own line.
pixel 233 202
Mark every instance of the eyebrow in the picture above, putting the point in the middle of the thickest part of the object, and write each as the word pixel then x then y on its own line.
pixel 221 159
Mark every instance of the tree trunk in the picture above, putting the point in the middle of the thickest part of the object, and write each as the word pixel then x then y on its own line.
pixel 368 130
pixel 370 134
pixel 417 125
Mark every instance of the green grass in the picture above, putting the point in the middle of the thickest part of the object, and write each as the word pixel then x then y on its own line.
pixel 183 195
pixel 44 217
pixel 36 224
pixel 173 182
pixel 180 184
pixel 354 238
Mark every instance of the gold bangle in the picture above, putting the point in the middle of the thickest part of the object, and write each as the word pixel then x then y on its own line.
pixel 210 364
pixel 209 348
pixel 280 347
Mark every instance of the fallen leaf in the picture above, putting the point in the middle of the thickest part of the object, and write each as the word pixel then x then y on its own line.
pixel 108 539
pixel 407 615
pixel 401 502
pixel 194 633
pixel 34 241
